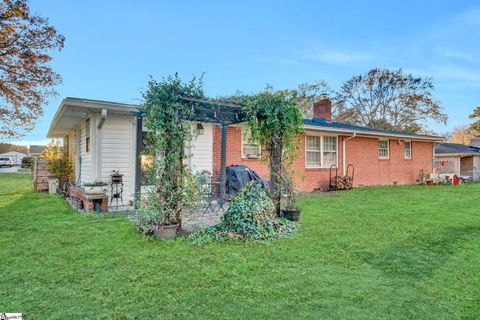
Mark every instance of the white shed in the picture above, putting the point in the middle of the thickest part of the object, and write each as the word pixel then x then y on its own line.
pixel 15 156
pixel 100 137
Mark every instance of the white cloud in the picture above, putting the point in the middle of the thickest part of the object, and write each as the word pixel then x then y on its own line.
pixel 458 55
pixel 339 57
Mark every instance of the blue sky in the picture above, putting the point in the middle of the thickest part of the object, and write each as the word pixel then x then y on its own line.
pixel 112 47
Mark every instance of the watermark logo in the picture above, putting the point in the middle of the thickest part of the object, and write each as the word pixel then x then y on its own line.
pixel 10 316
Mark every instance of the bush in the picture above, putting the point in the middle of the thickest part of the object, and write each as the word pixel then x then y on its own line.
pixel 146 219
pixel 250 216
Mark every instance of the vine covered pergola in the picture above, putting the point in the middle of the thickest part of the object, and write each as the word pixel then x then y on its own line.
pixel 204 110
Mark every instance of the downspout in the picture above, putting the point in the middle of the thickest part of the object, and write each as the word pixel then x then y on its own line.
pixel 103 116
pixel 138 160
pixel 344 155
pixel 223 162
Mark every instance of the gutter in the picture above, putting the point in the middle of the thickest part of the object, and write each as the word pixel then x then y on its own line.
pixel 344 155
pixel 368 134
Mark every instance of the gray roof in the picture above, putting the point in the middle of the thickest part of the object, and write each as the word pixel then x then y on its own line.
pixel 35 149
pixel 455 148
pixel 340 126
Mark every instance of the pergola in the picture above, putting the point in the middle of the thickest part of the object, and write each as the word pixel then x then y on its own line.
pixel 204 110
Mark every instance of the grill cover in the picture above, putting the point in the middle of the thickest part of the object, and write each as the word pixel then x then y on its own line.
pixel 238 177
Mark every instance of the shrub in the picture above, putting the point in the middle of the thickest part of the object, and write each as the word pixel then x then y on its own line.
pixel 95 184
pixel 250 216
pixel 152 213
pixel 146 219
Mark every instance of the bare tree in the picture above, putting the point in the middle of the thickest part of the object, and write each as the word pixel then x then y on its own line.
pixel 388 99
pixel 26 79
pixel 307 93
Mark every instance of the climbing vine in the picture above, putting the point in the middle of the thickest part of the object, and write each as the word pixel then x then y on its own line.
pixel 166 118
pixel 276 122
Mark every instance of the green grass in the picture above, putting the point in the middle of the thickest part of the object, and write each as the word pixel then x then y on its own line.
pixel 373 253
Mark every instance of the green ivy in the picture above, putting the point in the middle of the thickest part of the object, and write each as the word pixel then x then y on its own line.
pixel 276 123
pixel 250 216
pixel 166 118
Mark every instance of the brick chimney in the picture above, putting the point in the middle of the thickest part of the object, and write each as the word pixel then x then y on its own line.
pixel 475 142
pixel 323 109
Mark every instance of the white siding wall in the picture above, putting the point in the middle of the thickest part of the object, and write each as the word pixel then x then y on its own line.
pixel 201 150
pixel 71 150
pixel 85 168
pixel 117 152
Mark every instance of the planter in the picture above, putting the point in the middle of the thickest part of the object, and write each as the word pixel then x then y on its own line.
pixel 166 231
pixel 95 190
pixel 290 214
pixel 430 182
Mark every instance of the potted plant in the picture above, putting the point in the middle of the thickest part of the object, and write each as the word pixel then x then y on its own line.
pixel 291 211
pixel 96 187
pixel 150 220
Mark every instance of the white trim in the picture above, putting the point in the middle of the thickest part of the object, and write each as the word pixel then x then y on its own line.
pixel 87 105
pixel 259 148
pixel 388 149
pixel 361 133
pixel 455 154
pixel 321 151
pixel 404 150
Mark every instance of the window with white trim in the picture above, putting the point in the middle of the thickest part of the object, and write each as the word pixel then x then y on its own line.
pixel 313 151
pixel 383 149
pixel 250 148
pixel 320 151
pixel 329 151
pixel 408 150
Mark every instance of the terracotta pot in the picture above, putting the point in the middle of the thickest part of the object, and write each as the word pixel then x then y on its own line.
pixel 166 231
pixel 290 214
pixel 430 182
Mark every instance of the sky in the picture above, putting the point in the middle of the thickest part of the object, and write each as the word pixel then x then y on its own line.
pixel 113 47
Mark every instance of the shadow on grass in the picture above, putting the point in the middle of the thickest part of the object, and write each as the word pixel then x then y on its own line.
pixel 421 255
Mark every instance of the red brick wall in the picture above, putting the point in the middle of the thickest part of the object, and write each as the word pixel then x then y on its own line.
pixel 369 170
pixel 361 152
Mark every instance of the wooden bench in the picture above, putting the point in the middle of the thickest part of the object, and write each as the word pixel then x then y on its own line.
pixel 88 201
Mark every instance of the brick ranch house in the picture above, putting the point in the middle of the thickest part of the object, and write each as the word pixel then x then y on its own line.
pixel 102 136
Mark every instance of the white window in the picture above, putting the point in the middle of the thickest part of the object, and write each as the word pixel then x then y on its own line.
pixel 408 149
pixel 313 150
pixel 383 149
pixel 320 151
pixel 250 148
pixel 329 152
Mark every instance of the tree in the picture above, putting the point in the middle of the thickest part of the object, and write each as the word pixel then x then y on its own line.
pixel 475 126
pixel 462 135
pixel 388 99
pixel 308 93
pixel 26 79
pixel 7 147
pixel 58 161
pixel 275 122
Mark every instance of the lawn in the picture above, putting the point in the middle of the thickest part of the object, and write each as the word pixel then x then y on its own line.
pixel 373 253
